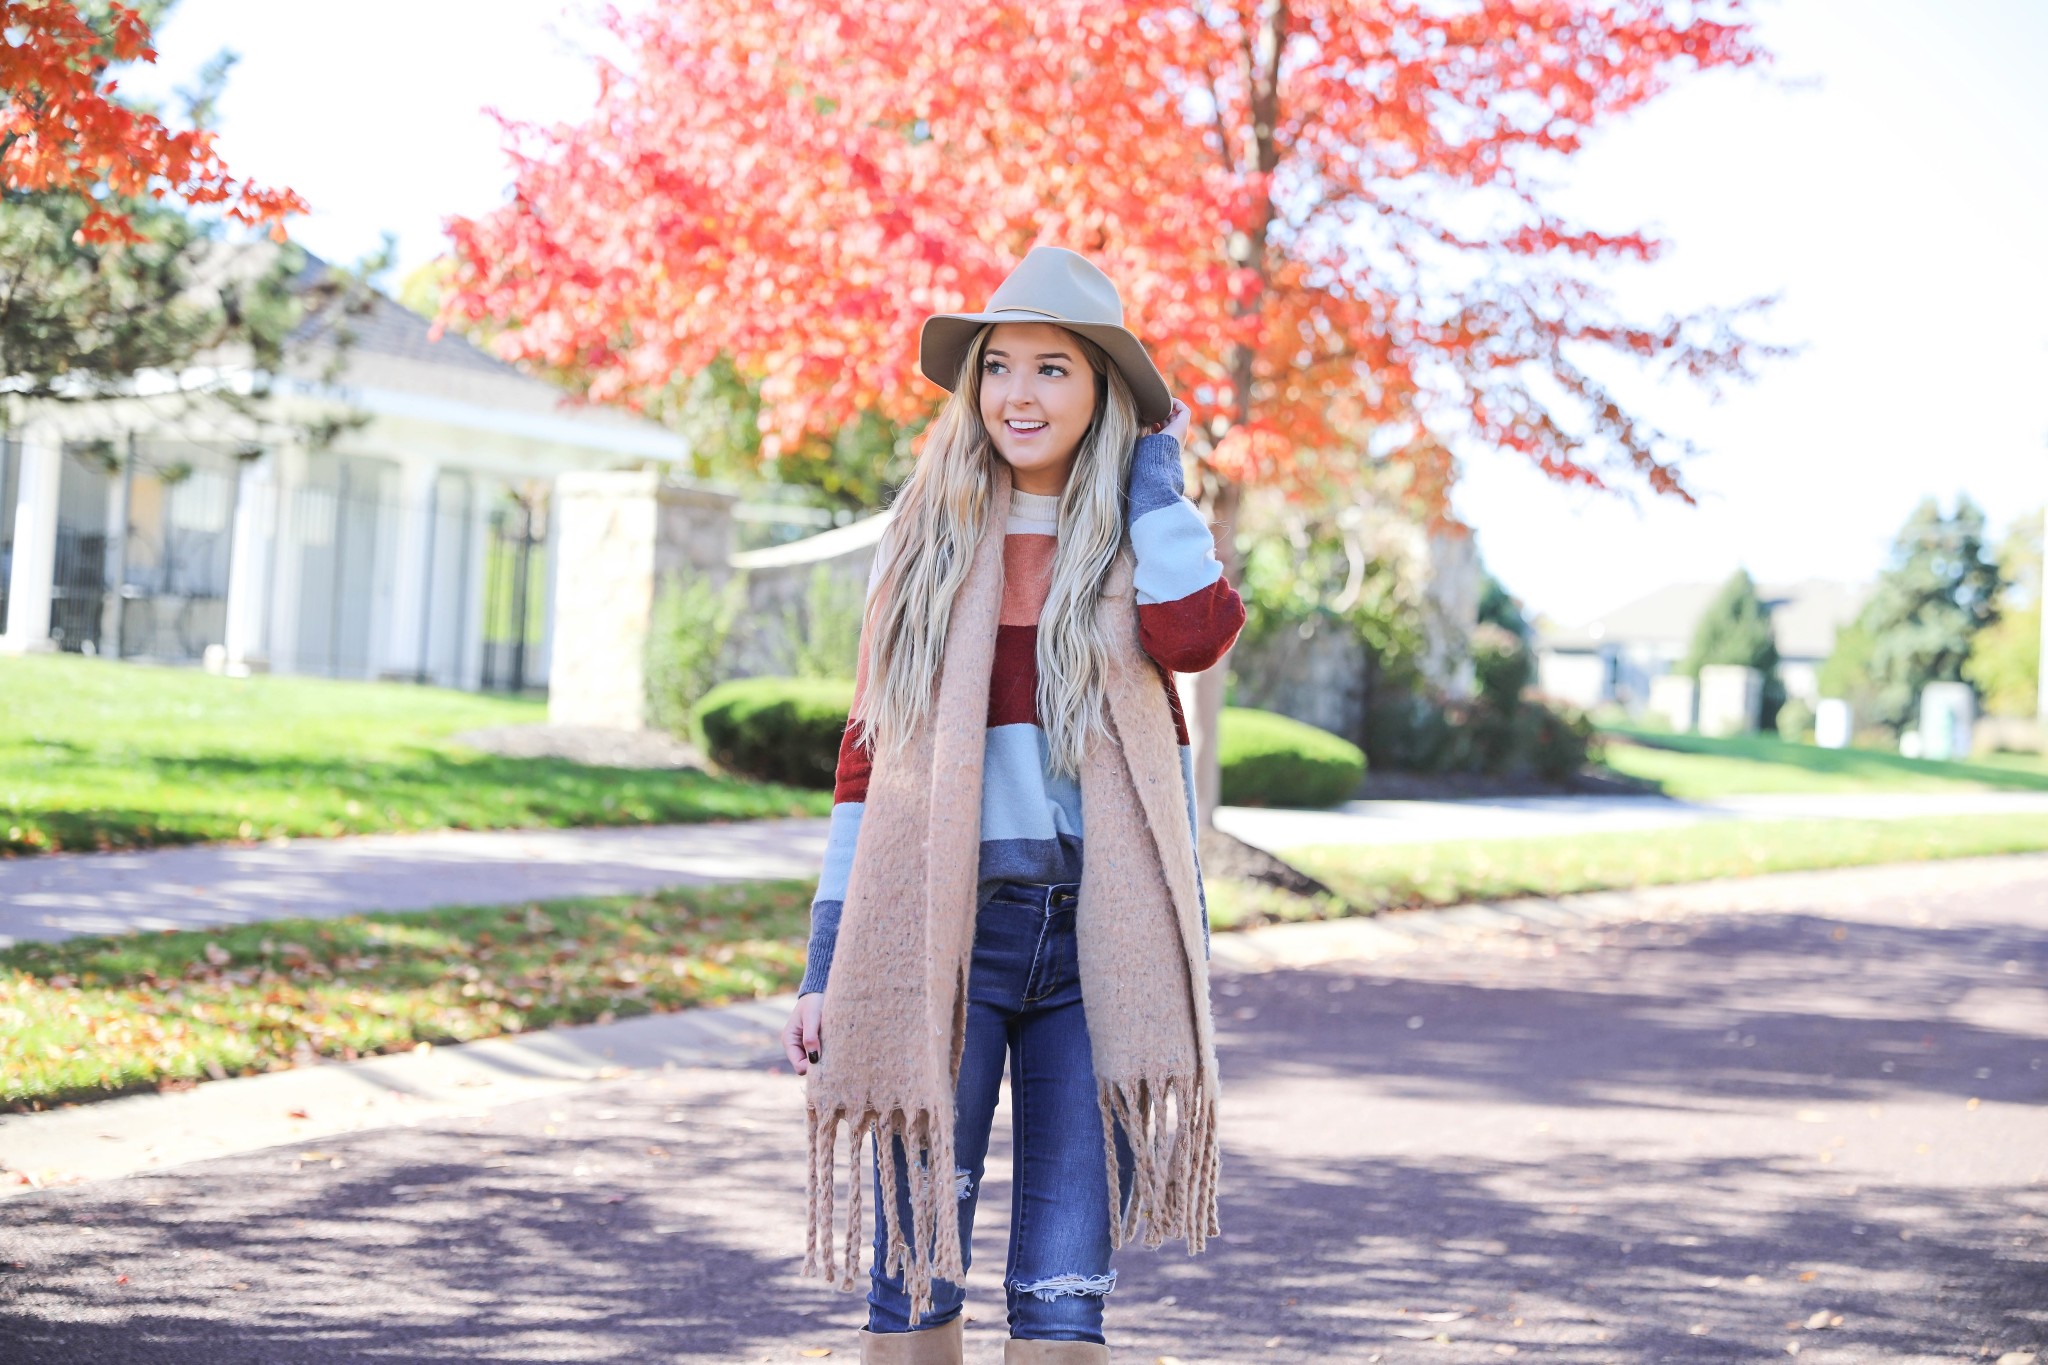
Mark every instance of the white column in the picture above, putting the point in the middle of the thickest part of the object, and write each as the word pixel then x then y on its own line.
pixel 281 611
pixel 249 555
pixel 405 645
pixel 32 577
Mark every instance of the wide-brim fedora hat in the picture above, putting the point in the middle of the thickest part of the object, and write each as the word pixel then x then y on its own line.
pixel 1062 287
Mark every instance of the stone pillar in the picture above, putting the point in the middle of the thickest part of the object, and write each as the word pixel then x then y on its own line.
pixel 32 578
pixel 249 563
pixel 1675 697
pixel 618 534
pixel 1948 715
pixel 1834 724
pixel 405 646
pixel 1731 699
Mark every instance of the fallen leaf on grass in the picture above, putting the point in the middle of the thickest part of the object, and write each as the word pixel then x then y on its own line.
pixel 814 1352
pixel 1822 1319
pixel 295 1113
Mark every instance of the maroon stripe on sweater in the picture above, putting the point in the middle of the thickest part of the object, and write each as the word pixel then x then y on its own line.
pixel 1191 633
pixel 850 783
pixel 1013 680
pixel 1180 722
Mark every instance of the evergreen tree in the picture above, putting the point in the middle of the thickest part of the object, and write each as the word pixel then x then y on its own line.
pixel 1736 629
pixel 2005 657
pixel 1937 593
pixel 1499 607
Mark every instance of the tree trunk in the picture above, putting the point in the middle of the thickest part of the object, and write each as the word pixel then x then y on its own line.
pixel 1206 711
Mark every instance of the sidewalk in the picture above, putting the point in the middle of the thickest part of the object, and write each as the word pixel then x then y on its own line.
pixel 56 895
pixel 1421 822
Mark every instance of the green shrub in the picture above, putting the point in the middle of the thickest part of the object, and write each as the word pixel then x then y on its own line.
pixel 1501 665
pixel 1270 760
pixel 1795 721
pixel 692 620
pixel 777 729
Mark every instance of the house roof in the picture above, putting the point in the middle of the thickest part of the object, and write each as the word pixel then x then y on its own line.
pixel 1804 618
pixel 389 347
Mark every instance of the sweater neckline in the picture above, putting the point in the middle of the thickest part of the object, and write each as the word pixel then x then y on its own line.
pixel 1034 506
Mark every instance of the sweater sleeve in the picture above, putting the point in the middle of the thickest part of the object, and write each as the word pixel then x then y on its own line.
pixel 849 800
pixel 1188 614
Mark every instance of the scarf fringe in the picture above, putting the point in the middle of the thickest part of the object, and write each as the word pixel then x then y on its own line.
pixel 1170 1125
pixel 934 1207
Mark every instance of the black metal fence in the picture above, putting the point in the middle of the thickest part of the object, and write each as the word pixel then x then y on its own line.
pixel 515 592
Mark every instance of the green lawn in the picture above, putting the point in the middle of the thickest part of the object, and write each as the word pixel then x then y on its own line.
pixel 1696 767
pixel 96 754
pixel 86 1018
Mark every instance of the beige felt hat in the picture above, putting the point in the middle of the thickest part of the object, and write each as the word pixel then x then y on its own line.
pixel 1051 284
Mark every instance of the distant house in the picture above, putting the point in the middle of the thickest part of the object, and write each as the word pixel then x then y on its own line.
pixel 1612 658
pixel 414 544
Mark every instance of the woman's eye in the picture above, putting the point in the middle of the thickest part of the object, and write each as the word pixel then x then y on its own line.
pixel 1052 369
pixel 991 366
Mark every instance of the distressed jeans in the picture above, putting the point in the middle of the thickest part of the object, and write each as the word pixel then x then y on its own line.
pixel 1024 1001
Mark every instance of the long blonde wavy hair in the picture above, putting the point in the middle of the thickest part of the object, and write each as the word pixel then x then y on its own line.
pixel 928 547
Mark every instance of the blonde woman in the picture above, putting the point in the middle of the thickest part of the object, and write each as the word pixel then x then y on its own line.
pixel 1011 867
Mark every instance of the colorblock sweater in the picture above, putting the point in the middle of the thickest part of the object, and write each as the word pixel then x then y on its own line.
pixel 1031 816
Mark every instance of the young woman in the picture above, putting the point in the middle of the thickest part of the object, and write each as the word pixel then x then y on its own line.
pixel 1042 578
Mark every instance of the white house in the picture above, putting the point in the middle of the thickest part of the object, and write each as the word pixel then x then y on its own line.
pixel 1613 657
pixel 414 544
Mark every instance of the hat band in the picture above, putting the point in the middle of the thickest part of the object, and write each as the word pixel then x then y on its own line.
pixel 1026 308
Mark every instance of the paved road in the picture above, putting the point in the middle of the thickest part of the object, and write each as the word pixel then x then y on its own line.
pixel 58 895
pixel 1821 1122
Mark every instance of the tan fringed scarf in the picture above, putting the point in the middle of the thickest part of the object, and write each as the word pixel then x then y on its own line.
pixel 895 1003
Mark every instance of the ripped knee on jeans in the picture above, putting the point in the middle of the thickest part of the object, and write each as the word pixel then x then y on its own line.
pixel 1059 1286
pixel 963 1182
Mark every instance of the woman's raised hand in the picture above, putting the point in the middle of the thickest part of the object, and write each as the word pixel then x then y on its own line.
pixel 801 1041
pixel 1175 425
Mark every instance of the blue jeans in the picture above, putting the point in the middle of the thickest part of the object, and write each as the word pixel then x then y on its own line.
pixel 1024 999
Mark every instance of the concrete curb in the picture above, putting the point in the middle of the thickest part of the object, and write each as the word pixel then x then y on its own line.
pixel 219 1118
pixel 153 1131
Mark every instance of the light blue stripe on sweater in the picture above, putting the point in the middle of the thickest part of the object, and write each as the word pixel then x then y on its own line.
pixel 1019 798
pixel 839 841
pixel 1176 553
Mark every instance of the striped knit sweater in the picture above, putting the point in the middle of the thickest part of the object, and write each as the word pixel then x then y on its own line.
pixel 1031 817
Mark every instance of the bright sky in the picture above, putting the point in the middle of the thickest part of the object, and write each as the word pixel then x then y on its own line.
pixel 1889 180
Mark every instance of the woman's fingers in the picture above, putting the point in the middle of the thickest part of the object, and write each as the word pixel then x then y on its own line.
pixel 793 1044
pixel 802 1041
pixel 811 1007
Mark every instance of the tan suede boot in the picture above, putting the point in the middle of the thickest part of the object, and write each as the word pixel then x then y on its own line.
pixel 933 1346
pixel 1017 1352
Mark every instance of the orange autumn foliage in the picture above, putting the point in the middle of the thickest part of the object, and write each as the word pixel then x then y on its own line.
pixel 62 129
pixel 1321 213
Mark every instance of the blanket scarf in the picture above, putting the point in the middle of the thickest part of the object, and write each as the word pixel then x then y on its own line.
pixel 895 1006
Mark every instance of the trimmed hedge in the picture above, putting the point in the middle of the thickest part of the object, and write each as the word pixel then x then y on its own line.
pixel 777 729
pixel 1272 760
pixel 788 730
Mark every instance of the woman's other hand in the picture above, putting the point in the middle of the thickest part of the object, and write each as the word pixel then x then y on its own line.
pixel 1175 425
pixel 801 1042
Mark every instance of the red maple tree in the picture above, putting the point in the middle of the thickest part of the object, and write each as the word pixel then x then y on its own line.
pixel 1320 213
pixel 63 129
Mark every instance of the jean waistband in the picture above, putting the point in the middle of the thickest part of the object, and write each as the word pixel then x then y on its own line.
pixel 1041 896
